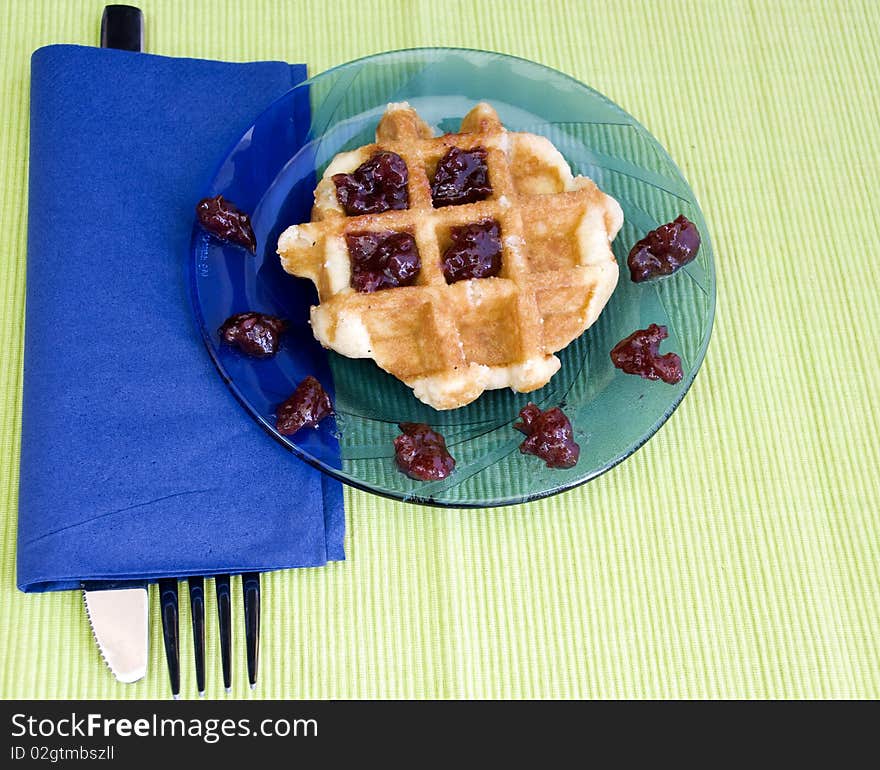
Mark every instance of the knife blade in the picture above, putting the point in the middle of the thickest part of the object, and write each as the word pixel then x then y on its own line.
pixel 119 618
pixel 118 613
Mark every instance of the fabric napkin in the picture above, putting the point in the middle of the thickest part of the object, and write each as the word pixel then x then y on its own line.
pixel 136 460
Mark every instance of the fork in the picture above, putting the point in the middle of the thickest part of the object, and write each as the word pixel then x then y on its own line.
pixel 168 598
pixel 122 27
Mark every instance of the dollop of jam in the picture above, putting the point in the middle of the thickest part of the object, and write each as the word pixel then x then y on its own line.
pixel 640 354
pixel 475 252
pixel 375 186
pixel 664 250
pixel 462 176
pixel 548 436
pixel 421 453
pixel 382 260
pixel 308 405
pixel 221 218
pixel 255 334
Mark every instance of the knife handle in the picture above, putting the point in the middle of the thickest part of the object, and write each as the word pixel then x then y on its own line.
pixel 122 27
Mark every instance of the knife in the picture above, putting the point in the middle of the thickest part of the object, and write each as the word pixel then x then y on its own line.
pixel 119 617
pixel 118 612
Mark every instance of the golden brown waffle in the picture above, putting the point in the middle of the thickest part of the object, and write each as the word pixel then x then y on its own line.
pixel 451 342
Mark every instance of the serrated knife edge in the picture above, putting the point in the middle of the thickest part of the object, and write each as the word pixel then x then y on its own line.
pixel 119 619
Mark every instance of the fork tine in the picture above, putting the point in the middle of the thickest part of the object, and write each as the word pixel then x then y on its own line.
pixel 224 616
pixel 250 585
pixel 168 603
pixel 197 608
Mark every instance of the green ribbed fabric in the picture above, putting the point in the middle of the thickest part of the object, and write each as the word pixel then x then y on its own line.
pixel 736 554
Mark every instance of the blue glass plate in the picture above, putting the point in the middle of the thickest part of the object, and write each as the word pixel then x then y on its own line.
pixel 272 172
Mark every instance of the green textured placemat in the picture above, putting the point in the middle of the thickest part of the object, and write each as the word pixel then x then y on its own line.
pixel 736 554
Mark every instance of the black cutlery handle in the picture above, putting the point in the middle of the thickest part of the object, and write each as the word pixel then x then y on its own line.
pixel 224 617
pixel 122 27
pixel 170 615
pixel 197 610
pixel 250 587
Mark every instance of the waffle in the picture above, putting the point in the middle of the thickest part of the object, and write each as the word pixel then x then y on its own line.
pixel 450 342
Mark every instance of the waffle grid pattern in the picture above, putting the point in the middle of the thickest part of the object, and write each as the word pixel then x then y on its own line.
pixel 452 341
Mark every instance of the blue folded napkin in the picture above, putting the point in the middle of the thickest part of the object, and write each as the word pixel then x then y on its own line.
pixel 136 460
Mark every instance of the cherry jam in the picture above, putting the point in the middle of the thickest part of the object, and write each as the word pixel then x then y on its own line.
pixel 255 334
pixel 462 176
pixel 548 436
pixel 308 405
pixel 664 250
pixel 475 252
pixel 221 218
pixel 421 453
pixel 382 260
pixel 375 186
pixel 640 354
